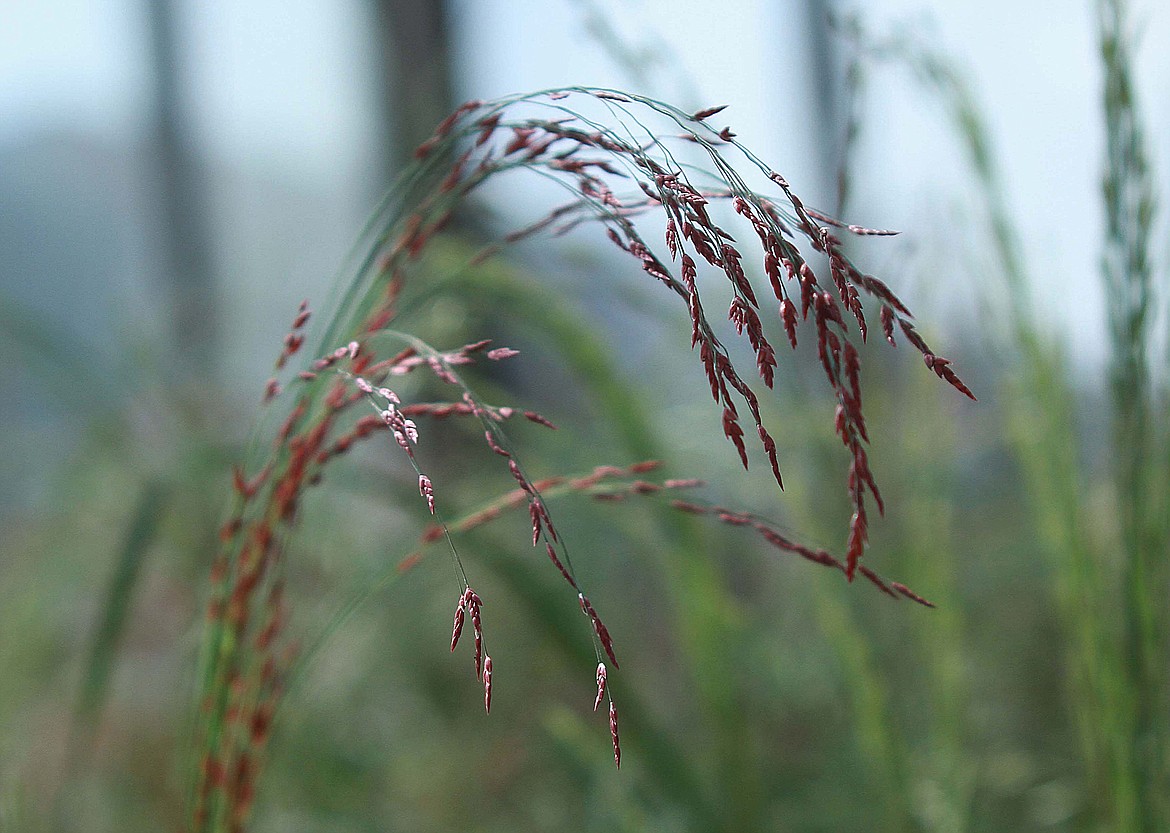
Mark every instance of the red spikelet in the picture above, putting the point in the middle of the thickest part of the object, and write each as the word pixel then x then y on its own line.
pixel 532 416
pixel 534 513
pixel 613 731
pixel 487 684
pixel 473 605
pixel 486 126
pixel 493 445
pixel 857 536
pixel 910 594
pixel 457 628
pixel 773 458
pixel 427 491
pixel 734 433
pixel 600 685
pixel 942 369
pixel 552 554
pixel 788 316
pixel 240 483
pixel 519 476
pixel 599 627
pixel 708 112
pixel 887 317
pixel 808 288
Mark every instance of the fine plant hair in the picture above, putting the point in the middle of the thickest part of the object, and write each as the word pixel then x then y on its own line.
pixel 1110 585
pixel 645 172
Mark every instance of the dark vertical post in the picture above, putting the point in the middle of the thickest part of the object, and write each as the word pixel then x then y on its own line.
pixel 828 122
pixel 180 202
pixel 414 46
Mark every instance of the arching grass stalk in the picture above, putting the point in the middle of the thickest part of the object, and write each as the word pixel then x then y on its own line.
pixel 628 163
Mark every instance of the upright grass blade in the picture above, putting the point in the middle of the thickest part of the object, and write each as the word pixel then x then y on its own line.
pixel 140 534
pixel 1128 192
pixel 1115 620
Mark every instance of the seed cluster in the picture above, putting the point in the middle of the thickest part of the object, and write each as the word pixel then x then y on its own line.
pixel 593 159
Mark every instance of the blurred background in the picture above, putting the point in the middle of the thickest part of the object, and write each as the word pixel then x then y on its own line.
pixel 175 177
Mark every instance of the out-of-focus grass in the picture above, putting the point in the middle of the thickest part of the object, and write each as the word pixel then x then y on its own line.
pixel 755 694
pixel 1109 580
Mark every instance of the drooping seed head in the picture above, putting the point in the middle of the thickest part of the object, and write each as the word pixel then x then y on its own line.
pixel 427 491
pixel 457 628
pixel 487 684
pixel 613 731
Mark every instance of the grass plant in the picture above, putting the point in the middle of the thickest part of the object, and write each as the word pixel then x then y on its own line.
pixel 628 163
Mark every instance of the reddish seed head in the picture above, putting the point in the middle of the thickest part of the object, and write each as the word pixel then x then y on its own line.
pixel 613 731
pixel 672 238
pixel 425 148
pixel 857 536
pixel 599 628
pixel 487 684
pixel 910 594
pixel 532 416
pixel 788 316
pixel 427 491
pixel 644 466
pixel 457 628
pixel 473 605
pixel 493 445
pixel 808 286
pixel 710 111
pixel 229 529
pixel 409 562
pixel 519 476
pixel 887 319
pixel 520 138
pixel 552 555
pixel 766 363
pixel 734 433
pixel 487 125
pixel 534 514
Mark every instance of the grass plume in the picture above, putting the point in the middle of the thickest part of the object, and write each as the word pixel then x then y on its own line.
pixel 641 184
